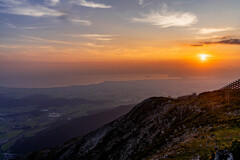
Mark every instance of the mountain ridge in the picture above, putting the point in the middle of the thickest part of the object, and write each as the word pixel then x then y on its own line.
pixel 160 128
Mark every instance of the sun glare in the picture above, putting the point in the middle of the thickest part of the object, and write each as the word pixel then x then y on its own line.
pixel 203 57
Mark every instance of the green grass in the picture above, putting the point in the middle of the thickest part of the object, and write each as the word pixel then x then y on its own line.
pixel 1 155
pixel 14 133
pixel 3 136
pixel 217 113
pixel 33 132
pixel 7 145
pixel 204 147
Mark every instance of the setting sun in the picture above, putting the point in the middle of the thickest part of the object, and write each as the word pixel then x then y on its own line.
pixel 203 57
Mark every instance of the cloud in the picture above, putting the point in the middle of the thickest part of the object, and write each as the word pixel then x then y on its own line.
pixel 167 19
pixel 215 30
pixel 10 46
pixel 10 2
pixel 140 2
pixel 35 11
pixel 90 4
pixel 229 41
pixel 23 8
pixel 10 25
pixel 52 2
pixel 80 21
pixel 208 37
pixel 69 43
pixel 99 37
pixel 43 40
pixel 224 41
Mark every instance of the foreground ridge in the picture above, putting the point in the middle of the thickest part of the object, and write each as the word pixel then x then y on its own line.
pixel 161 128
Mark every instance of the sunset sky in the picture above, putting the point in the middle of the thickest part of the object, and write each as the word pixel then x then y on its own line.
pixel 78 39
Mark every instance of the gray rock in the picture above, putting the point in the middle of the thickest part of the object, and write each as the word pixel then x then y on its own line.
pixel 223 155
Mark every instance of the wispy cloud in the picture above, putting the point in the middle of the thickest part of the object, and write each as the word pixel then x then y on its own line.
pixel 10 25
pixel 10 46
pixel 80 21
pixel 26 9
pixel 215 30
pixel 140 2
pixel 167 18
pixel 99 37
pixel 52 2
pixel 35 11
pixel 224 41
pixel 90 4
pixel 208 37
pixel 10 2
pixel 228 41
pixel 51 41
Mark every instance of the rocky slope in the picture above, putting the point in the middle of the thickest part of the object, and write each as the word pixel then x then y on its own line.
pixel 160 128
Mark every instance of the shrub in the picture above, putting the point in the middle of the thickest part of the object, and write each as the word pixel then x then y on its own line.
pixel 235 149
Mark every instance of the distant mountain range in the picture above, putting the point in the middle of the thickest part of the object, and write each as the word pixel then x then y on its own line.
pixel 202 127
